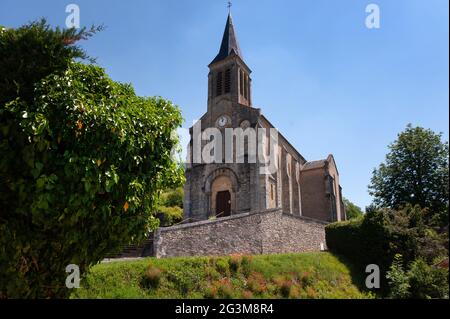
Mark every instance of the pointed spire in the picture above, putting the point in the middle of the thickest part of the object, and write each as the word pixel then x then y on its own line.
pixel 229 44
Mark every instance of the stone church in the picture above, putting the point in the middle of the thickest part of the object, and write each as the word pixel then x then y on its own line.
pixel 299 187
pixel 229 205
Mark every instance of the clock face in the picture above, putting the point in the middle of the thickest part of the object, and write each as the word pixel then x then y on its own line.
pixel 222 121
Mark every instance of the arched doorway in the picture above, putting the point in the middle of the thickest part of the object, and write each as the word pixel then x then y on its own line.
pixel 220 189
pixel 223 204
pixel 222 196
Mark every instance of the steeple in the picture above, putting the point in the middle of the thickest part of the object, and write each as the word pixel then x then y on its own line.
pixel 229 44
pixel 229 77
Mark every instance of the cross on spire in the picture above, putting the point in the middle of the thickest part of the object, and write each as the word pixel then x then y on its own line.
pixel 229 42
pixel 229 6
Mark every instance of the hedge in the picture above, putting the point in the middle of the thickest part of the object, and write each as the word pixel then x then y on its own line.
pixel 364 241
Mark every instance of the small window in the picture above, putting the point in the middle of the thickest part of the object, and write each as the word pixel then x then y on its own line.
pixel 271 192
pixel 241 82
pixel 227 81
pixel 219 84
pixel 246 86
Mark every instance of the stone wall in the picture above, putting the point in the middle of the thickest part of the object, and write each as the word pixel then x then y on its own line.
pixel 266 232
pixel 284 233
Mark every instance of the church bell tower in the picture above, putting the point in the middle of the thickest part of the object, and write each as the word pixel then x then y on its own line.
pixel 229 77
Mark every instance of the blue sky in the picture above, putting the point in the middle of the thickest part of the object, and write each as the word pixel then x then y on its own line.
pixel 328 83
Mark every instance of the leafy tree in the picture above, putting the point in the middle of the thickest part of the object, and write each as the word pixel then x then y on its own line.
pixel 170 208
pixel 416 172
pixel 34 51
pixel 351 210
pixel 380 234
pixel 83 160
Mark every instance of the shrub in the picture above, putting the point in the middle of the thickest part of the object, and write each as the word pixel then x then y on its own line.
pixel 184 281
pixel 310 293
pixel 428 282
pixel 169 215
pixel 152 277
pixel 211 292
pixel 382 234
pixel 306 279
pixel 82 160
pixel 295 292
pixel 170 207
pixel 212 273
pixel 398 279
pixel 234 263
pixel 246 265
pixel 222 266
pixel 285 288
pixel 256 283
pixel 421 281
pixel 344 237
pixel 225 289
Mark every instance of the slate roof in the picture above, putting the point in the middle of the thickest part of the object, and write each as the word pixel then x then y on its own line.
pixel 314 164
pixel 229 44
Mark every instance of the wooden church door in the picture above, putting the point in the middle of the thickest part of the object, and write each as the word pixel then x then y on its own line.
pixel 223 204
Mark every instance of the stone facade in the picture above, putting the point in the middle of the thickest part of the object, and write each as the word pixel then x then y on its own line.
pixel 297 186
pixel 254 212
pixel 266 232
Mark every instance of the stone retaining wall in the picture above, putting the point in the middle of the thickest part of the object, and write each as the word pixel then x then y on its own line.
pixel 265 232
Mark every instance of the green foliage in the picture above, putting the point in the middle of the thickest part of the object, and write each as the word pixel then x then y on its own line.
pixel 170 207
pixel 268 276
pixel 286 288
pixel 83 159
pixel 172 197
pixel 222 266
pixel 32 52
pixel 306 279
pixel 152 277
pixel 225 289
pixel 416 172
pixel 170 215
pixel 427 282
pixel 343 237
pixel 235 263
pixel 398 279
pixel 351 210
pixel 246 265
pixel 421 281
pixel 381 234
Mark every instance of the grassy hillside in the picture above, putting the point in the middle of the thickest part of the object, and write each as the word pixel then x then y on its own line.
pixel 307 275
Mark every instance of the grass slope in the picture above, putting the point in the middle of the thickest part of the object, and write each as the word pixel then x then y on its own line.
pixel 306 275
